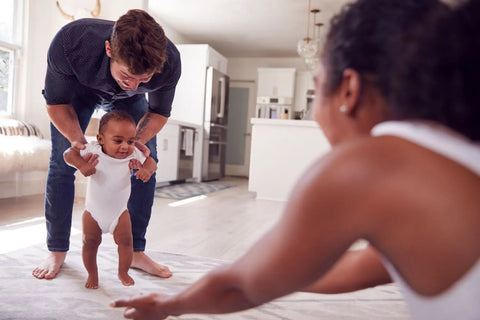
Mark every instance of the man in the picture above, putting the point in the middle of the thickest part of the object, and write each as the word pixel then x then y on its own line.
pixel 110 65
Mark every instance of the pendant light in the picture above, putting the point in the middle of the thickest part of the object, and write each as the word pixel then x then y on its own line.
pixel 308 48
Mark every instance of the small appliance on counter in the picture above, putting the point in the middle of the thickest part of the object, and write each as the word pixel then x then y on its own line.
pixel 308 114
pixel 274 107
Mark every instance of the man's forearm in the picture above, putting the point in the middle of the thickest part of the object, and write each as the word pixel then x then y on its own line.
pixel 150 124
pixel 65 119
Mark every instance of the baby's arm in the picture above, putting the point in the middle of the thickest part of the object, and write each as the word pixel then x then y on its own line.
pixel 73 158
pixel 146 170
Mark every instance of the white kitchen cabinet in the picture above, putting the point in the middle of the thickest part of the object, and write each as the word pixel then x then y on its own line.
pixel 276 82
pixel 168 144
pixel 304 82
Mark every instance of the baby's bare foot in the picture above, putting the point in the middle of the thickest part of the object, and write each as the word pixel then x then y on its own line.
pixel 50 266
pixel 126 279
pixel 92 281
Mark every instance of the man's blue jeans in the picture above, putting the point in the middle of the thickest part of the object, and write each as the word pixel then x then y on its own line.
pixel 60 190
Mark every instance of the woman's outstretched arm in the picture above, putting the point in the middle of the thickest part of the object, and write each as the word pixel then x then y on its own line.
pixel 316 229
pixel 356 270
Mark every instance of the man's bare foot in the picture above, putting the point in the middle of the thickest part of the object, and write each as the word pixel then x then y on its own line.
pixel 143 262
pixel 92 281
pixel 50 266
pixel 126 279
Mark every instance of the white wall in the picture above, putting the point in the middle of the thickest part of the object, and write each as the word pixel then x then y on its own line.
pixel 43 20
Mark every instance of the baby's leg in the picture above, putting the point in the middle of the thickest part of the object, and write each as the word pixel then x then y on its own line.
pixel 92 237
pixel 123 238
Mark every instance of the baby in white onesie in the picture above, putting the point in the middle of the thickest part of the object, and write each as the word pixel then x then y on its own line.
pixel 109 189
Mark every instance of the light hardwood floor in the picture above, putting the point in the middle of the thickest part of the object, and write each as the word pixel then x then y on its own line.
pixel 223 225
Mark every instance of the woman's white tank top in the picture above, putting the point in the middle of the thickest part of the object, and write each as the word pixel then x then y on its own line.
pixel 462 300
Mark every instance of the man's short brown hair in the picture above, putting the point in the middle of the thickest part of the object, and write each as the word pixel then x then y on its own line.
pixel 139 42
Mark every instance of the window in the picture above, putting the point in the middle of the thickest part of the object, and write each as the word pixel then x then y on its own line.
pixel 10 47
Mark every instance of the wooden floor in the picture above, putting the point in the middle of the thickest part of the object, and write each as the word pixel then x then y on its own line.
pixel 223 225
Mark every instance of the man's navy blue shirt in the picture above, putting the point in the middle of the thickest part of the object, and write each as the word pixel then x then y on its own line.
pixel 78 64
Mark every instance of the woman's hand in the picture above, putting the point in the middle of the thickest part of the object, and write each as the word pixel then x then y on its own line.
pixel 143 307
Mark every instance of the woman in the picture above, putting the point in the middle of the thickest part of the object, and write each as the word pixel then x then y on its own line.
pixel 402 188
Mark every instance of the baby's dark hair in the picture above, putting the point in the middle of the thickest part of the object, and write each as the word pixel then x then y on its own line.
pixel 436 74
pixel 361 37
pixel 115 115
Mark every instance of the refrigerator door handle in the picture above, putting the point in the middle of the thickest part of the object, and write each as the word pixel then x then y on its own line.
pixel 216 125
pixel 221 83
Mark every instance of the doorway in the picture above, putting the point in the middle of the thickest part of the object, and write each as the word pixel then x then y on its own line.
pixel 241 108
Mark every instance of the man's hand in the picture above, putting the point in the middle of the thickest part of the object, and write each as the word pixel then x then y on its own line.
pixel 143 148
pixel 143 174
pixel 143 307
pixel 79 145
pixel 134 164
pixel 89 167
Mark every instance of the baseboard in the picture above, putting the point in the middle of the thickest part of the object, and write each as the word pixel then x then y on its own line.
pixel 19 184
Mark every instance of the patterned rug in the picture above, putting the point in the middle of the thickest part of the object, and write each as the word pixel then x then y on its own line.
pixel 188 190
pixel 24 297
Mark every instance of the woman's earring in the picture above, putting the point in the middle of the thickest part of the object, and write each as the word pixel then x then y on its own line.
pixel 343 108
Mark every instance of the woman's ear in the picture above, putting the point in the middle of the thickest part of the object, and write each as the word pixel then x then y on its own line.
pixel 350 91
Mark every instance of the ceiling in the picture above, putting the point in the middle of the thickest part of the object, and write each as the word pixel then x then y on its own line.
pixel 244 28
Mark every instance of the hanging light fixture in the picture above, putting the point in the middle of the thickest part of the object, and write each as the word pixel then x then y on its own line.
pixel 318 35
pixel 308 47
pixel 314 62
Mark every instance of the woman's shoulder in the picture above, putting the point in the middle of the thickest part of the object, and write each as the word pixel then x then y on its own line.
pixel 363 159
pixel 386 176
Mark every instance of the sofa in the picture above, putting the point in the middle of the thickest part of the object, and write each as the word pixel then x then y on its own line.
pixel 24 157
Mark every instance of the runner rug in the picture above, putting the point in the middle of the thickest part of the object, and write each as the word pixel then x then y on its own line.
pixel 188 189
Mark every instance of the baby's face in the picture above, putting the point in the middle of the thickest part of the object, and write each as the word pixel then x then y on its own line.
pixel 118 139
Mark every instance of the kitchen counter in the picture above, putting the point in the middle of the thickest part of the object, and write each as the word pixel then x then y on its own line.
pixel 282 122
pixel 282 150
pixel 184 123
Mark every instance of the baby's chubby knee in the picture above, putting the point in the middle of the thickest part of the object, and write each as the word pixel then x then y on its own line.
pixel 124 239
pixel 91 240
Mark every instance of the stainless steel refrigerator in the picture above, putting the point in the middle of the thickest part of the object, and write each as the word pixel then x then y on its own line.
pixel 215 125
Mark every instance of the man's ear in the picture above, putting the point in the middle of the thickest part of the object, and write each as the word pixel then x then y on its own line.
pixel 108 48
pixel 350 90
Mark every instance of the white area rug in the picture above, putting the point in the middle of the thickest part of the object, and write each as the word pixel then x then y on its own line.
pixel 24 297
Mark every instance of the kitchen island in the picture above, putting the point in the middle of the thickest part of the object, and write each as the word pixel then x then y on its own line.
pixel 281 152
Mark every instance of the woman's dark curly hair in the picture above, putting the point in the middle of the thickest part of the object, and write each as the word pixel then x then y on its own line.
pixel 362 34
pixel 436 76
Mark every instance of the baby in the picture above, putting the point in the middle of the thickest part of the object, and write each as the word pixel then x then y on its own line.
pixel 109 189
